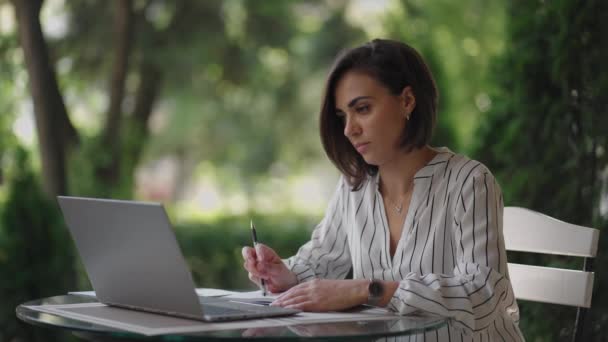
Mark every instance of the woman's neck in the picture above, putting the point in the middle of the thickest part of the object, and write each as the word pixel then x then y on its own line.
pixel 397 175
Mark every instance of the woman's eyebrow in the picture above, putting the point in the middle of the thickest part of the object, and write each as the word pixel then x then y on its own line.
pixel 354 101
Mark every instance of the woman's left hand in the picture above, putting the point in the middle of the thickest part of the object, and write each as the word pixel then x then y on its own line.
pixel 324 295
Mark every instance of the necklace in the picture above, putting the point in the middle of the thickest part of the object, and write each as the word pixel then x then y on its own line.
pixel 399 207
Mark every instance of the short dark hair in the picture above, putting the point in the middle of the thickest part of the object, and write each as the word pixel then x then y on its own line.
pixel 395 65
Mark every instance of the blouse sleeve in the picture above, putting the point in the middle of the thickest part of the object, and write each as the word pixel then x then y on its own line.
pixel 479 289
pixel 326 255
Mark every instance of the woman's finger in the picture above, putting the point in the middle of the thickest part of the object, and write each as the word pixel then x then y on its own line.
pixel 265 253
pixel 249 266
pixel 253 270
pixel 292 300
pixel 251 263
pixel 273 270
pixel 254 279
pixel 273 288
pixel 248 253
pixel 304 306
pixel 294 291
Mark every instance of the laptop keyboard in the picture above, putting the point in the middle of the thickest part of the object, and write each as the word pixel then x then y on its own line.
pixel 219 310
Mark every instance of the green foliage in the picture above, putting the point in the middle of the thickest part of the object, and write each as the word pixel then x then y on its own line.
pixel 84 164
pixel 35 254
pixel 7 100
pixel 240 81
pixel 253 101
pixel 545 138
pixel 458 39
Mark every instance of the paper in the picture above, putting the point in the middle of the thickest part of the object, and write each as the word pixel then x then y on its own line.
pixel 201 292
pixel 156 324
pixel 252 294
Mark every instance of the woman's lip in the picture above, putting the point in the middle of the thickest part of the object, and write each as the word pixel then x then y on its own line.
pixel 362 148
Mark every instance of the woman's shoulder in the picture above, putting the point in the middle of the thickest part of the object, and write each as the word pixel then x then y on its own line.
pixel 459 167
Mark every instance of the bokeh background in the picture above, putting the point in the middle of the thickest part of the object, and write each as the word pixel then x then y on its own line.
pixel 210 107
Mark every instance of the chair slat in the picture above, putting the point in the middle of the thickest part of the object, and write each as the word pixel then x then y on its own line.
pixel 551 285
pixel 528 231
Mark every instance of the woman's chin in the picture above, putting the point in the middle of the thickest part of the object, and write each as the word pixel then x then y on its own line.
pixel 370 161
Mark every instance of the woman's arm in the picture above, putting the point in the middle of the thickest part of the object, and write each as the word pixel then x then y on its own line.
pixel 327 254
pixel 331 295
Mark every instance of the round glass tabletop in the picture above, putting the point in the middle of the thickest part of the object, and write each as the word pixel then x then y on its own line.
pixel 348 331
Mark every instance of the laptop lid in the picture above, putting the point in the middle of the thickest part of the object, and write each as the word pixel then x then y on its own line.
pixel 131 255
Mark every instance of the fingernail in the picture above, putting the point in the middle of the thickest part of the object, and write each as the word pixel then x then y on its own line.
pixel 259 255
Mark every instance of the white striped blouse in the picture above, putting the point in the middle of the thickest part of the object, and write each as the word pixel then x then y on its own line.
pixel 450 260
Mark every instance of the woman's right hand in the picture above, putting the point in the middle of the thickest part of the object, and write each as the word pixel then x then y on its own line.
pixel 264 263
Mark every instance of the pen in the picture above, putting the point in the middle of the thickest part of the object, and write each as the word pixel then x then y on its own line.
pixel 255 242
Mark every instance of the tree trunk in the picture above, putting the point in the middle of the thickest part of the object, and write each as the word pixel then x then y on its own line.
pixel 55 131
pixel 111 137
pixel 147 94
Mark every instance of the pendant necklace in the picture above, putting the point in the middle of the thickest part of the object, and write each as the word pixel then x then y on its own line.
pixel 399 208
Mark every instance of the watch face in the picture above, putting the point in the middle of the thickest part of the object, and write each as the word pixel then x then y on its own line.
pixel 375 289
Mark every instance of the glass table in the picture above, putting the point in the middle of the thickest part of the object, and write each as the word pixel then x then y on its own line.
pixel 335 331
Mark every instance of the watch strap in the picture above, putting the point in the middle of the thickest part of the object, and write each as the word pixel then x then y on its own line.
pixel 375 292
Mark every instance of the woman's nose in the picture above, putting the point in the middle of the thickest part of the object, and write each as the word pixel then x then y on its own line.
pixel 351 128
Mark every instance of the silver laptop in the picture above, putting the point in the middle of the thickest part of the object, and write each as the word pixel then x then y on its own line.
pixel 133 261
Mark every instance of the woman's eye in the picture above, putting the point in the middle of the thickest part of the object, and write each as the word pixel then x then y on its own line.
pixel 362 109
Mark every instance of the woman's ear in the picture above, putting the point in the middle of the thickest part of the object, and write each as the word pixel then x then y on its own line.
pixel 408 100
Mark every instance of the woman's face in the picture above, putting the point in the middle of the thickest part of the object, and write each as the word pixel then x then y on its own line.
pixel 373 117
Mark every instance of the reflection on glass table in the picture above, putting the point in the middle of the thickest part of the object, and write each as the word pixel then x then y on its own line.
pixel 346 331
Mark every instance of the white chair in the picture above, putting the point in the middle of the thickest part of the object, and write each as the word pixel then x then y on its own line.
pixel 529 231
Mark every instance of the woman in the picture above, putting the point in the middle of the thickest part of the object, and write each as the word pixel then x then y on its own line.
pixel 420 227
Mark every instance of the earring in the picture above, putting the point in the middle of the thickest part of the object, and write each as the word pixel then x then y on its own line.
pixel 407 116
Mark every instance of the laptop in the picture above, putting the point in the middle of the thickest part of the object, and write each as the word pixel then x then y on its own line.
pixel 133 261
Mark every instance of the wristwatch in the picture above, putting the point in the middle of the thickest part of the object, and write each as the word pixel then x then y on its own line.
pixel 375 291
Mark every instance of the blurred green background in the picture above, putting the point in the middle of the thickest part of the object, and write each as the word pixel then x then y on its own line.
pixel 211 108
